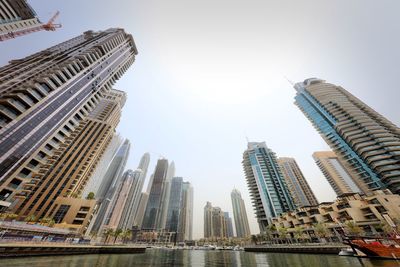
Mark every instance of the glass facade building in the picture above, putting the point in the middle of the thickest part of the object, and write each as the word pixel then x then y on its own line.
pixel 268 190
pixel 366 142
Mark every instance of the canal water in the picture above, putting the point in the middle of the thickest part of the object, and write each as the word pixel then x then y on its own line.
pixel 164 258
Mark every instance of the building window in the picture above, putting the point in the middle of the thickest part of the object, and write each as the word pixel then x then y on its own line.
pixel 60 214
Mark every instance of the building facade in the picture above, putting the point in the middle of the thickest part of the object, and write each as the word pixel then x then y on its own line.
pixel 298 186
pixel 67 172
pixel 108 187
pixel 185 228
pixel 129 213
pixel 369 212
pixel 268 190
pixel 229 225
pixel 50 97
pixel 365 141
pixel 153 219
pixel 16 15
pixel 215 222
pixel 240 215
pixel 336 173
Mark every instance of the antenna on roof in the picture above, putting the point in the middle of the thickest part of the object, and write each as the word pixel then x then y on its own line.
pixel 291 82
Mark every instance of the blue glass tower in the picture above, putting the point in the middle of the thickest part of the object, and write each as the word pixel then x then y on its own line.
pixel 268 190
pixel 367 143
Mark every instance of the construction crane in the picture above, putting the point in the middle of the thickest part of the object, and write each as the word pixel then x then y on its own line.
pixel 49 26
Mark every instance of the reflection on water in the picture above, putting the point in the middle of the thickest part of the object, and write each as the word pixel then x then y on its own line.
pixel 160 257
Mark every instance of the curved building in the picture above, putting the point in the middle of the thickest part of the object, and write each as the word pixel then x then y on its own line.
pixel 365 141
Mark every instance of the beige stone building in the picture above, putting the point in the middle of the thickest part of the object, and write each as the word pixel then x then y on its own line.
pixel 342 179
pixel 73 214
pixel 367 211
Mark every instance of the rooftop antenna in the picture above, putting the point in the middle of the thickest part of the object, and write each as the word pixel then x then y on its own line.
pixel 291 82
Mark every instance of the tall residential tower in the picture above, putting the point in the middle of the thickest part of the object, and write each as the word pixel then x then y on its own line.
pixel 299 189
pixel 365 141
pixel 240 214
pixel 268 190
pixel 335 172
pixel 50 101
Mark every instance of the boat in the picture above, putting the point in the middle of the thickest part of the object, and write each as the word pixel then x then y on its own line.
pixel 375 247
pixel 347 252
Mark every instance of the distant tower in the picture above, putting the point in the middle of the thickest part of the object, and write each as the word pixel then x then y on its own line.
pixel 153 219
pixel 240 214
pixel 266 184
pixel 215 222
pixel 129 213
pixel 335 172
pixel 299 189
pixel 367 143
pixel 229 226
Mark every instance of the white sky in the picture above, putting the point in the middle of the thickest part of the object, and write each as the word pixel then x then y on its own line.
pixel 209 73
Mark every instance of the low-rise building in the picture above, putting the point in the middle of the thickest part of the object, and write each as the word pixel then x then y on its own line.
pixel 368 212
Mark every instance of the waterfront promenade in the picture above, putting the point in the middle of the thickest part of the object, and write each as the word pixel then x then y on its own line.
pixel 53 249
pixel 316 248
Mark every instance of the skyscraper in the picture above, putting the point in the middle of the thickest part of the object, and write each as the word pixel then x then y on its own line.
pixel 299 189
pixel 335 172
pixel 47 98
pixel 66 173
pixel 153 219
pixel 228 223
pixel 108 186
pixel 16 15
pixel 166 194
pixel 365 141
pixel 144 197
pixel 129 213
pixel 119 200
pixel 180 209
pixel 215 223
pixel 175 203
pixel 240 214
pixel 99 174
pixel 267 186
pixel 185 228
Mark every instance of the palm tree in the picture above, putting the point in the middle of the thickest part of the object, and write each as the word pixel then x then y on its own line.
pixel 321 231
pixel 117 233
pixel 254 239
pixel 298 233
pixel 107 233
pixel 46 221
pixel 30 219
pixel 352 228
pixel 282 231
pixel 126 235
pixel 8 216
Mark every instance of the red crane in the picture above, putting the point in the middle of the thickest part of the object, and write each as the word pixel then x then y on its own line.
pixel 49 26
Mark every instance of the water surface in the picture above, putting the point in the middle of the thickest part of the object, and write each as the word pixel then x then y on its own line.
pixel 164 257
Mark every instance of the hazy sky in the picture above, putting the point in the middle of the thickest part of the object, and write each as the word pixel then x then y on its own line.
pixel 209 73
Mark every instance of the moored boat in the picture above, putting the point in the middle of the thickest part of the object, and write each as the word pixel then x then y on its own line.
pixel 375 247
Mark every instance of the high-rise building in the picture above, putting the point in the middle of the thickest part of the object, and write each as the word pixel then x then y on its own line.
pixel 365 141
pixel 66 173
pixel 336 173
pixel 153 219
pixel 228 223
pixel 299 189
pixel 268 190
pixel 180 209
pixel 49 100
pixel 108 186
pixel 99 174
pixel 166 194
pixel 131 207
pixel 144 197
pixel 185 228
pixel 215 223
pixel 175 203
pixel 240 214
pixel 16 15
